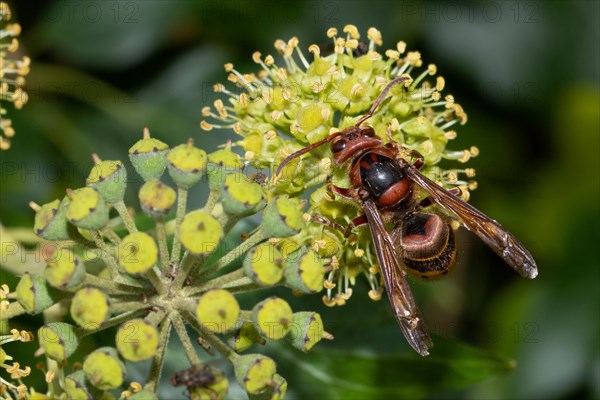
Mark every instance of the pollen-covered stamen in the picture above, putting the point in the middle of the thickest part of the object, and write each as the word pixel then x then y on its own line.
pixel 375 39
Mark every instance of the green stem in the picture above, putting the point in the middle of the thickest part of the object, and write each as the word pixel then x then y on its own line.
pixel 213 196
pixel 188 346
pixel 187 265
pixel 119 308
pixel 158 283
pixel 125 216
pixel 105 254
pixel 211 338
pixel 163 248
pixel 111 235
pixel 14 309
pixel 110 286
pixel 218 282
pixel 157 360
pixel 182 195
pixel 243 248
pixel 119 319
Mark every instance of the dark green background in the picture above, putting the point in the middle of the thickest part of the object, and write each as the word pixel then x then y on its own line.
pixel 527 74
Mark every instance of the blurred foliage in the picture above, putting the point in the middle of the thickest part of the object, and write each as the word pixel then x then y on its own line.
pixel 526 72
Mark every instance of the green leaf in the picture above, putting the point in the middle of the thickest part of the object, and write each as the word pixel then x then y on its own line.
pixel 336 374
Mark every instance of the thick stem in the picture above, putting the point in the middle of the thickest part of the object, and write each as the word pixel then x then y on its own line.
pixel 182 195
pixel 243 248
pixel 119 319
pixel 210 337
pixel 111 235
pixel 219 282
pixel 157 361
pixel 158 283
pixel 188 346
pixel 213 196
pixel 189 262
pixel 125 216
pixel 163 248
pixel 106 255
pixel 110 286
pixel 118 308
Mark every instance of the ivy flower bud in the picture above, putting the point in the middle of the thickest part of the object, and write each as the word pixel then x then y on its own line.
pixel 240 196
pixel 137 253
pixel 272 317
pixel 149 157
pixel 218 310
pixel 200 233
pixel 186 164
pixel 109 178
pixel 137 340
pixel 90 308
pixel 274 392
pixel 244 338
pixel 78 387
pixel 104 369
pixel 306 330
pixel 220 164
pixel 303 271
pixel 51 220
pixel 34 295
pixel 264 264
pixel 59 340
pixel 64 270
pixel 156 198
pixel 254 372
pixel 87 209
pixel 282 217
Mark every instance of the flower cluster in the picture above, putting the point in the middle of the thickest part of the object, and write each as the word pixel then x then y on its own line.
pixel 12 73
pixel 181 271
pixel 287 106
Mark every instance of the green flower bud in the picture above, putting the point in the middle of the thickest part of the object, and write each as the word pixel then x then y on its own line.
pixel 200 233
pixel 137 340
pixel 51 220
pixel 218 310
pixel 77 387
pixel 272 317
pixel 156 198
pixel 243 338
pixel 241 196
pixel 87 209
pixel 64 270
pixel 283 217
pixel 34 295
pixel 144 395
pixel 275 392
pixel 220 164
pixel 306 330
pixel 137 253
pixel 109 178
pixel 186 164
pixel 303 271
pixel 104 369
pixel 149 157
pixel 59 340
pixel 264 264
pixel 254 372
pixel 90 308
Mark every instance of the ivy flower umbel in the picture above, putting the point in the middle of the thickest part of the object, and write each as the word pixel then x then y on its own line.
pixel 178 273
pixel 294 102
pixel 12 73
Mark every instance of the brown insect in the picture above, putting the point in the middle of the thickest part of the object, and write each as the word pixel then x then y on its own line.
pixel 194 377
pixel 386 184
